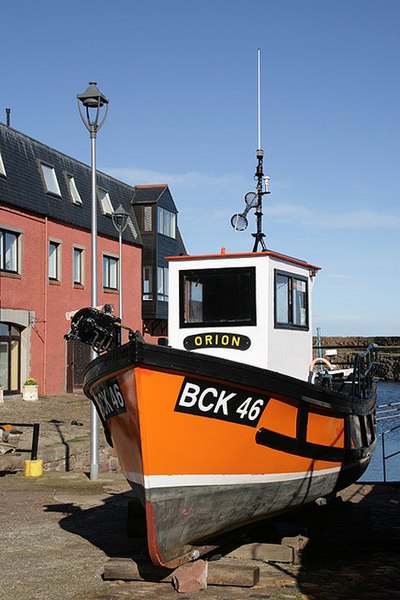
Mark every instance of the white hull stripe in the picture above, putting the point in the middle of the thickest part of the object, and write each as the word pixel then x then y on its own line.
pixel 171 481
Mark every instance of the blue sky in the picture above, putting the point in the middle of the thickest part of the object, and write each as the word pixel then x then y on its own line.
pixel 181 78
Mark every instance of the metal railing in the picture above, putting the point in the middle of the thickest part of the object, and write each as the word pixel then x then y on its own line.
pixel 385 456
pixel 35 436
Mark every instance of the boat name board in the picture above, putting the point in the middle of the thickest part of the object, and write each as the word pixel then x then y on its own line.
pixel 226 403
pixel 109 399
pixel 218 339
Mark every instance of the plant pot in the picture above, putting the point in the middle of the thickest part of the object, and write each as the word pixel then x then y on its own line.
pixel 30 392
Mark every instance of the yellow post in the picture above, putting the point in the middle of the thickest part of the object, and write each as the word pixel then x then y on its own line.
pixel 33 468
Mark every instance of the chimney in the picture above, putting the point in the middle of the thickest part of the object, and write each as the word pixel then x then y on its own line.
pixel 8 112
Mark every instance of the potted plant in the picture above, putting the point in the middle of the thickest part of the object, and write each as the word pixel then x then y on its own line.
pixel 30 389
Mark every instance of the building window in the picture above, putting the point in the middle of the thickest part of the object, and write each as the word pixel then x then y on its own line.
pixel 50 180
pixel 147 283
pixel 54 261
pixel 162 284
pixel 77 265
pixel 73 190
pixel 166 222
pixel 105 202
pixel 2 169
pixel 110 272
pixel 215 297
pixel 9 260
pixel 147 218
pixel 291 305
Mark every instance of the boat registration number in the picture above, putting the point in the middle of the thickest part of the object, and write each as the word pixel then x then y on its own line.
pixel 109 399
pixel 197 397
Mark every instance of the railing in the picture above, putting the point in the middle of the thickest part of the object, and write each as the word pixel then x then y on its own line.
pixel 35 436
pixel 386 457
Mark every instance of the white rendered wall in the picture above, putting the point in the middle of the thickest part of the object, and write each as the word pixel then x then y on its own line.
pixel 287 351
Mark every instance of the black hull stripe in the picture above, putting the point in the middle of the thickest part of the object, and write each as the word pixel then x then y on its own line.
pixel 299 447
pixel 212 368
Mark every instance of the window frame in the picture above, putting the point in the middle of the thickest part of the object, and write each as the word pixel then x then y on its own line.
pixel 148 293
pixel 3 172
pixel 290 324
pixel 51 170
pixel 58 265
pixel 73 190
pixel 106 275
pixel 162 284
pixel 249 321
pixel 17 242
pixel 166 222
pixel 149 208
pixel 81 282
pixel 106 205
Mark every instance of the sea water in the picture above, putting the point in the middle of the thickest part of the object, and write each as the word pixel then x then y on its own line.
pixel 388 431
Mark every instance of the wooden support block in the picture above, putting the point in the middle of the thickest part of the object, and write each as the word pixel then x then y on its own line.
pixel 219 573
pixel 298 544
pixel 274 552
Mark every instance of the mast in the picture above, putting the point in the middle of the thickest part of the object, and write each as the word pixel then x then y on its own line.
pixel 254 200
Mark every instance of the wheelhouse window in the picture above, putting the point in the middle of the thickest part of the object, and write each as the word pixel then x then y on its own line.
pixel 218 297
pixel 9 250
pixel 166 222
pixel 50 180
pixel 54 261
pixel 291 304
pixel 110 272
pixel 162 284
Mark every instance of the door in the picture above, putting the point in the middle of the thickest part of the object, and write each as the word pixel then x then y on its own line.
pixel 78 356
pixel 10 358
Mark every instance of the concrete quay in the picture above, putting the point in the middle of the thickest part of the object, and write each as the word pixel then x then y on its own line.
pixel 59 531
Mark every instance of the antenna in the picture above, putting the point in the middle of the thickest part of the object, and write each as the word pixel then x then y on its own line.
pixel 239 221
pixel 259 99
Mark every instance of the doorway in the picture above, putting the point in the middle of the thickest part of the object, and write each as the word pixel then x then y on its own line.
pixel 10 358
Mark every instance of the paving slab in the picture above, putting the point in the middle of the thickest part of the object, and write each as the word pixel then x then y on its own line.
pixel 58 531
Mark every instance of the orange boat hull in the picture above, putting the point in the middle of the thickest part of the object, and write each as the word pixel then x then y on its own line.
pixel 211 447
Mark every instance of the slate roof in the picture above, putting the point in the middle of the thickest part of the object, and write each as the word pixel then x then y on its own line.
pixel 23 187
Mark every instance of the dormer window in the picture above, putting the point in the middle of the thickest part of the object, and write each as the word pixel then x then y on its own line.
pixel 166 222
pixel 105 202
pixel 2 169
pixel 73 190
pixel 50 180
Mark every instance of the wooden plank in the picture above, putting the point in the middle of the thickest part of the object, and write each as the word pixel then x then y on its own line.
pixel 219 572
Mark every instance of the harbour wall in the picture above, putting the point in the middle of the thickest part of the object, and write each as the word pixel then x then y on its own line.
pixel 388 352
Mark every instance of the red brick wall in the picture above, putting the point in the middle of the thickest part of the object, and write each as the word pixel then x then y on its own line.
pixel 51 300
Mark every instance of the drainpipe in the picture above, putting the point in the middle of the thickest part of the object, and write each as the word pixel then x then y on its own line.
pixel 46 286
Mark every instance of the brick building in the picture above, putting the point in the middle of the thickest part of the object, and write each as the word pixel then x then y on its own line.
pixel 45 259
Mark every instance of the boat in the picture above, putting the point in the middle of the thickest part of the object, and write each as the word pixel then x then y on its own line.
pixel 231 420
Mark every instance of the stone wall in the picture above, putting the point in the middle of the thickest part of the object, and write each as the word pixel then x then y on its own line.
pixel 388 352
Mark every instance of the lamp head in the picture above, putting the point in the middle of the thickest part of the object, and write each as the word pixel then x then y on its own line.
pixel 92 97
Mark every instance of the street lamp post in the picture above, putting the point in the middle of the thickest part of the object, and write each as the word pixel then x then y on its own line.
pixel 120 222
pixel 93 100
